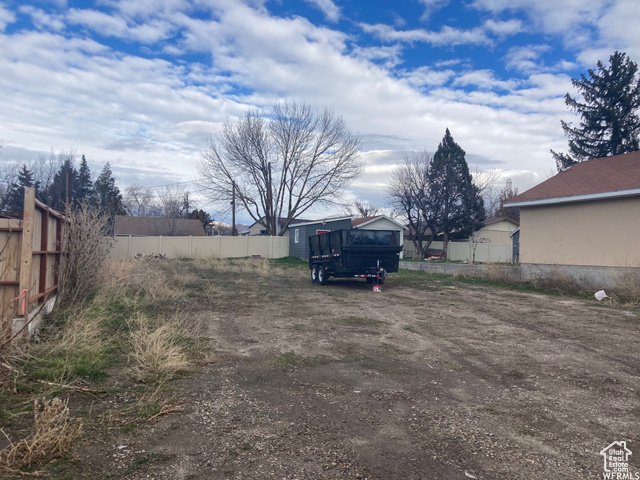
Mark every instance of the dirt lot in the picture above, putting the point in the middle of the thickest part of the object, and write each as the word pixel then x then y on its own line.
pixel 431 378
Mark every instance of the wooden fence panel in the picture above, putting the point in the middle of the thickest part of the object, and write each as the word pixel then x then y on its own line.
pixel 29 261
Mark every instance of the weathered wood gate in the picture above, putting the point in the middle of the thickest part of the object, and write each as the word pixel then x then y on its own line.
pixel 29 263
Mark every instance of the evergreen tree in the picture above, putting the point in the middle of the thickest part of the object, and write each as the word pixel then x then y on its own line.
pixel 455 203
pixel 64 186
pixel 15 197
pixel 609 122
pixel 86 191
pixel 108 194
pixel 201 215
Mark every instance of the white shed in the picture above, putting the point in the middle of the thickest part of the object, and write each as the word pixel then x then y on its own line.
pixel 379 222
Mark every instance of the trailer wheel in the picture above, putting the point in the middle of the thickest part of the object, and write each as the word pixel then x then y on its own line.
pixel 322 275
pixel 314 273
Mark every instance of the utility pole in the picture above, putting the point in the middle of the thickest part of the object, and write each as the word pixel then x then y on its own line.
pixel 234 232
pixel 66 195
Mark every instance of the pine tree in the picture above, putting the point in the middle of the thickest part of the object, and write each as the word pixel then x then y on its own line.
pixel 455 203
pixel 86 190
pixel 609 122
pixel 15 197
pixel 108 195
pixel 64 186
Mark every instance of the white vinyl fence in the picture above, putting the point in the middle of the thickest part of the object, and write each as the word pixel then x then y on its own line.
pixel 202 247
pixel 464 251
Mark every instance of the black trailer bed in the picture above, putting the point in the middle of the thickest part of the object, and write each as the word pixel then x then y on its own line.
pixel 354 253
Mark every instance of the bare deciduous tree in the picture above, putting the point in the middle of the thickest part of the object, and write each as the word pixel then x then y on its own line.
pixel 138 200
pixel 407 190
pixel 362 208
pixel 280 164
pixel 486 182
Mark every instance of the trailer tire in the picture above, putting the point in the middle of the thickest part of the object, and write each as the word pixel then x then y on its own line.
pixel 322 275
pixel 314 274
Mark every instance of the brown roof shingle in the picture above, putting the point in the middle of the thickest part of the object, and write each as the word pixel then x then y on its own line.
pixel 148 226
pixel 599 175
pixel 358 221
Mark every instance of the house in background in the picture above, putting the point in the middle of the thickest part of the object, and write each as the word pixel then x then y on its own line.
pixel 300 232
pixel 497 230
pixel 379 222
pixel 587 215
pixel 153 227
pixel 258 228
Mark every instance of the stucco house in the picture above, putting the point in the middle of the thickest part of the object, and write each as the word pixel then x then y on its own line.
pixel 497 230
pixel 258 228
pixel 379 222
pixel 587 215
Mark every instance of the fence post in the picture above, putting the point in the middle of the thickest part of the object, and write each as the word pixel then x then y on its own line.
pixel 190 246
pixel 129 254
pixel 26 258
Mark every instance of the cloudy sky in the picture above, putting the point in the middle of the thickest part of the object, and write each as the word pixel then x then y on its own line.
pixel 144 83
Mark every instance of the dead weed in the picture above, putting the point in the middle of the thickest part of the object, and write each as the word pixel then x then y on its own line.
pixel 55 431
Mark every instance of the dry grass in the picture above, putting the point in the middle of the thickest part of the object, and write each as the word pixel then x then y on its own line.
pixel 138 277
pixel 54 433
pixel 160 349
pixel 557 281
pixel 256 266
pixel 627 287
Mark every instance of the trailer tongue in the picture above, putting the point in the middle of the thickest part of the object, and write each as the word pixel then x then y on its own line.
pixel 370 254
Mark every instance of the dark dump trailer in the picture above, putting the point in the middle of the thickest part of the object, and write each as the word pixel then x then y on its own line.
pixel 370 254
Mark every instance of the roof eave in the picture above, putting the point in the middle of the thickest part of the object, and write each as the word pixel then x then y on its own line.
pixel 326 220
pixel 575 198
pixel 379 217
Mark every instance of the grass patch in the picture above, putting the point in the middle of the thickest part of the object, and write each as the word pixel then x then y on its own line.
pixel 354 321
pixel 389 349
pixel 291 262
pixel 292 359
pixel 130 319
pixel 435 281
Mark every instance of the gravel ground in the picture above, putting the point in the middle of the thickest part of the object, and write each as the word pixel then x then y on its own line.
pixel 426 379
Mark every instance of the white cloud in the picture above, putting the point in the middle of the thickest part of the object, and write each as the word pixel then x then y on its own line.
pixel 572 19
pixel 432 6
pixel 389 55
pixel 43 20
pixel 330 10
pixel 619 30
pixel 425 76
pixel 483 79
pixel 503 28
pixel 6 17
pixel 73 92
pixel 525 58
pixel 447 36
pixel 114 26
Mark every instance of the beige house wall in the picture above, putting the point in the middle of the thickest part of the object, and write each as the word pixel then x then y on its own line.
pixel 599 233
pixel 498 232
pixel 202 247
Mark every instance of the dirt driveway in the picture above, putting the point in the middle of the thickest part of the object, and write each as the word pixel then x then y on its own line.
pixel 429 379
